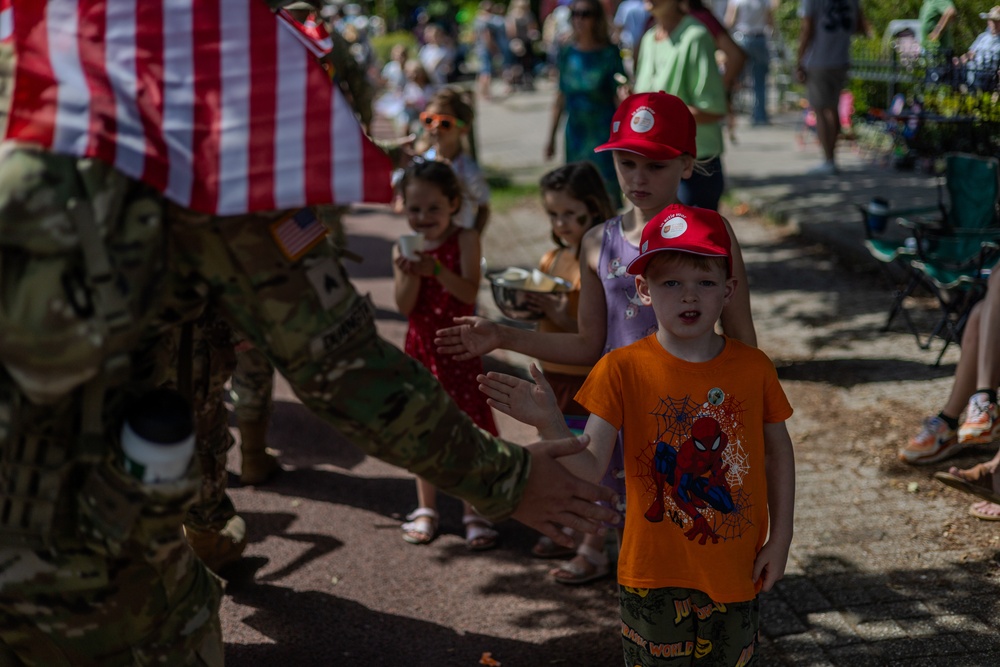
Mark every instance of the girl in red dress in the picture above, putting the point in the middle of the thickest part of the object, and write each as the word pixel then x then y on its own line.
pixel 435 285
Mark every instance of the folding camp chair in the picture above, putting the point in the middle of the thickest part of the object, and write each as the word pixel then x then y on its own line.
pixel 894 247
pixel 955 252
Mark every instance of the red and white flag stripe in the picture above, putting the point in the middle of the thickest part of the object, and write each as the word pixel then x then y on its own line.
pixel 216 103
pixel 6 20
pixel 313 35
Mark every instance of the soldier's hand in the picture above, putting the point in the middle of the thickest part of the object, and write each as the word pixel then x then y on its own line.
pixel 554 497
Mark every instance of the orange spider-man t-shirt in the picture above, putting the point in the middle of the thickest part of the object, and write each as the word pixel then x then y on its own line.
pixel 696 492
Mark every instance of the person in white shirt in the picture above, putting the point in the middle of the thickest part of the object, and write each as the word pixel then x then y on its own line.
pixel 750 22
pixel 984 55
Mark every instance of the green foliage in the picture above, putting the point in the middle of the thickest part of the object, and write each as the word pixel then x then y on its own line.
pixel 965 27
pixel 383 44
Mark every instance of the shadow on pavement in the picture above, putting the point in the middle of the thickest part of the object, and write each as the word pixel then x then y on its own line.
pixel 849 373
pixel 897 616
pixel 313 628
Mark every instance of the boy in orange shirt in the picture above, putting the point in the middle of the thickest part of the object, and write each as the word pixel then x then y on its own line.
pixel 709 466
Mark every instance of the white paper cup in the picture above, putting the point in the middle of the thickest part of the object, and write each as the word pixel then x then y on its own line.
pixel 410 245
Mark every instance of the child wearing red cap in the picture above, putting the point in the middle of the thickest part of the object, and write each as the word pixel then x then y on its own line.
pixel 652 141
pixel 709 466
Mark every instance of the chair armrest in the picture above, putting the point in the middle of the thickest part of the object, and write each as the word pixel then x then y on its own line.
pixel 918 224
pixel 917 210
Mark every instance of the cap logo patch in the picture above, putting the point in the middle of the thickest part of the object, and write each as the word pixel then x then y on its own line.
pixel 644 246
pixel 673 227
pixel 615 125
pixel 642 121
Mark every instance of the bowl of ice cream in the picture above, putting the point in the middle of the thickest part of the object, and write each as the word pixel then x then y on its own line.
pixel 512 288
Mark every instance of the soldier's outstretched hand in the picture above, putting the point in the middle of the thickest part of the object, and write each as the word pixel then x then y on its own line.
pixel 471 337
pixel 554 497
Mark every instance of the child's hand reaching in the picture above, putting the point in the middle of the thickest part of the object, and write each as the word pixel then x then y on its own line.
pixel 471 337
pixel 533 404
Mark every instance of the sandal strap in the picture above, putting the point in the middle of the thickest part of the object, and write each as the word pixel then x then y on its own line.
pixel 572 568
pixel 475 531
pixel 469 519
pixel 422 512
pixel 594 557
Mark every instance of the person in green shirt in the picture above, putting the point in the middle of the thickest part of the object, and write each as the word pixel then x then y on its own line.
pixel 935 25
pixel 677 56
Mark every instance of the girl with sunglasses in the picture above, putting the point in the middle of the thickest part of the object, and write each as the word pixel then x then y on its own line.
pixel 586 67
pixel 446 122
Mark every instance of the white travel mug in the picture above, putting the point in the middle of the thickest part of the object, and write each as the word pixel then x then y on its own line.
pixel 158 437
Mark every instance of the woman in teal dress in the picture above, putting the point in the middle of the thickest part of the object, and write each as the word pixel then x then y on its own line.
pixel 587 93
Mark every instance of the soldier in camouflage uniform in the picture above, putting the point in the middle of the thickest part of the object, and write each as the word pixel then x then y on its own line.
pixel 216 533
pixel 94 268
pixel 197 359
pixel 253 379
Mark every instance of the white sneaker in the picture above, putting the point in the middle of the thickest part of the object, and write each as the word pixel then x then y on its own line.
pixel 982 421
pixel 823 169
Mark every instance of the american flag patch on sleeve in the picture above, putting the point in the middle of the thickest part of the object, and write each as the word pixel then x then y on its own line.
pixel 297 233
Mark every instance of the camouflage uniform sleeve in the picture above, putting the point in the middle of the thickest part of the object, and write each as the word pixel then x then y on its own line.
pixel 330 352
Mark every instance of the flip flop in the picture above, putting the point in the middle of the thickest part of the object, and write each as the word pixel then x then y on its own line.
pixel 977 512
pixel 479 533
pixel 598 560
pixel 420 532
pixel 977 481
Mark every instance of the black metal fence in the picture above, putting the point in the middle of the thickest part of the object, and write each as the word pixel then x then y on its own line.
pixel 930 103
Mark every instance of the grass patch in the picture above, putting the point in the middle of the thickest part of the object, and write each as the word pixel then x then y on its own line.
pixel 505 193
pixel 740 208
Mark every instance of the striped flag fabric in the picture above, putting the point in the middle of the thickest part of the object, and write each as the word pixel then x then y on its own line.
pixel 6 20
pixel 216 103
pixel 313 35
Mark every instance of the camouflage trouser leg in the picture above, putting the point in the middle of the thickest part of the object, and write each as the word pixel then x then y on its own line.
pixel 79 609
pixel 211 365
pixel 309 321
pixel 118 587
pixel 253 384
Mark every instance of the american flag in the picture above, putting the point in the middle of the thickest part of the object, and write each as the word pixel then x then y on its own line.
pixel 6 20
pixel 297 232
pixel 216 103
pixel 313 35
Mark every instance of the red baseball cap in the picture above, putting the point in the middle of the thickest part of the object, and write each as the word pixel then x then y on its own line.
pixel 658 126
pixel 698 231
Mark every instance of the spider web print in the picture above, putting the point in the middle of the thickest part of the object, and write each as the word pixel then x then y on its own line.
pixel 674 418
